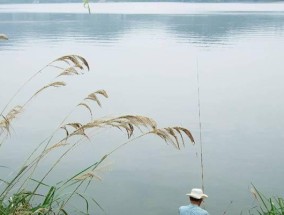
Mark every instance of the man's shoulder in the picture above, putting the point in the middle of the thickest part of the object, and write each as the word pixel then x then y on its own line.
pixel 202 211
pixel 184 207
pixel 194 210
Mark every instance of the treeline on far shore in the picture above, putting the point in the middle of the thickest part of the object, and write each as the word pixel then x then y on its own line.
pixel 78 1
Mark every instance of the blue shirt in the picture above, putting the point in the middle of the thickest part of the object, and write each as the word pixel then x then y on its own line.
pixel 192 210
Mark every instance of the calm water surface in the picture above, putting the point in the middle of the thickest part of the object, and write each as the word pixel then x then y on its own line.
pixel 148 61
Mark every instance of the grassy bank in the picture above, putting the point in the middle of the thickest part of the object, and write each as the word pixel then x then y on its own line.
pixel 267 205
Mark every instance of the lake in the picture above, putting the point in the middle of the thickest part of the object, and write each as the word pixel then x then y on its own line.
pixel 147 57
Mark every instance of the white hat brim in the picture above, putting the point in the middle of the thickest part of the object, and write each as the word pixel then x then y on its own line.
pixel 197 196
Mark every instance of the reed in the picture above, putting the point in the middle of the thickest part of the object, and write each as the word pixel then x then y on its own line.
pixel 22 193
pixel 267 205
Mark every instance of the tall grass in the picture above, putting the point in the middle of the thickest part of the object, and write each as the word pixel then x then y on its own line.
pixel 26 193
pixel 267 205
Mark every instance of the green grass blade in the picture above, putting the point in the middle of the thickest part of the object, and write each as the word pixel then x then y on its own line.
pixel 39 182
pixel 86 201
pixel 281 205
pixel 13 180
pixel 261 198
pixel 63 211
pixel 6 182
pixel 98 204
pixel 93 167
pixel 49 197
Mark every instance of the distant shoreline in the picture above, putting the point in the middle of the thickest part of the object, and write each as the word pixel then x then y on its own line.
pixel 111 1
pixel 143 8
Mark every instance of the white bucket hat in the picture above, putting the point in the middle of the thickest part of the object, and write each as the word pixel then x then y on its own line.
pixel 197 194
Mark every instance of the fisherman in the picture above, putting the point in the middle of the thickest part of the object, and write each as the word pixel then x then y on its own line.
pixel 196 198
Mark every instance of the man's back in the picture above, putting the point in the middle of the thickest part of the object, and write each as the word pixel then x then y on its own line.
pixel 192 210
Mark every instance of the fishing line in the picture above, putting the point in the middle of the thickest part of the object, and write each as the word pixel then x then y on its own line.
pixel 200 125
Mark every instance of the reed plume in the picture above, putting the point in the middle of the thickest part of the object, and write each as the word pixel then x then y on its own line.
pixel 75 133
pixel 68 64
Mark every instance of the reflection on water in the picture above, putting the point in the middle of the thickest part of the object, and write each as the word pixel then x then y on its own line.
pixel 205 29
pixel 148 65
pixel 103 29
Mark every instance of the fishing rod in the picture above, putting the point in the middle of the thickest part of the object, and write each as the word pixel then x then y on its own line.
pixel 200 125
